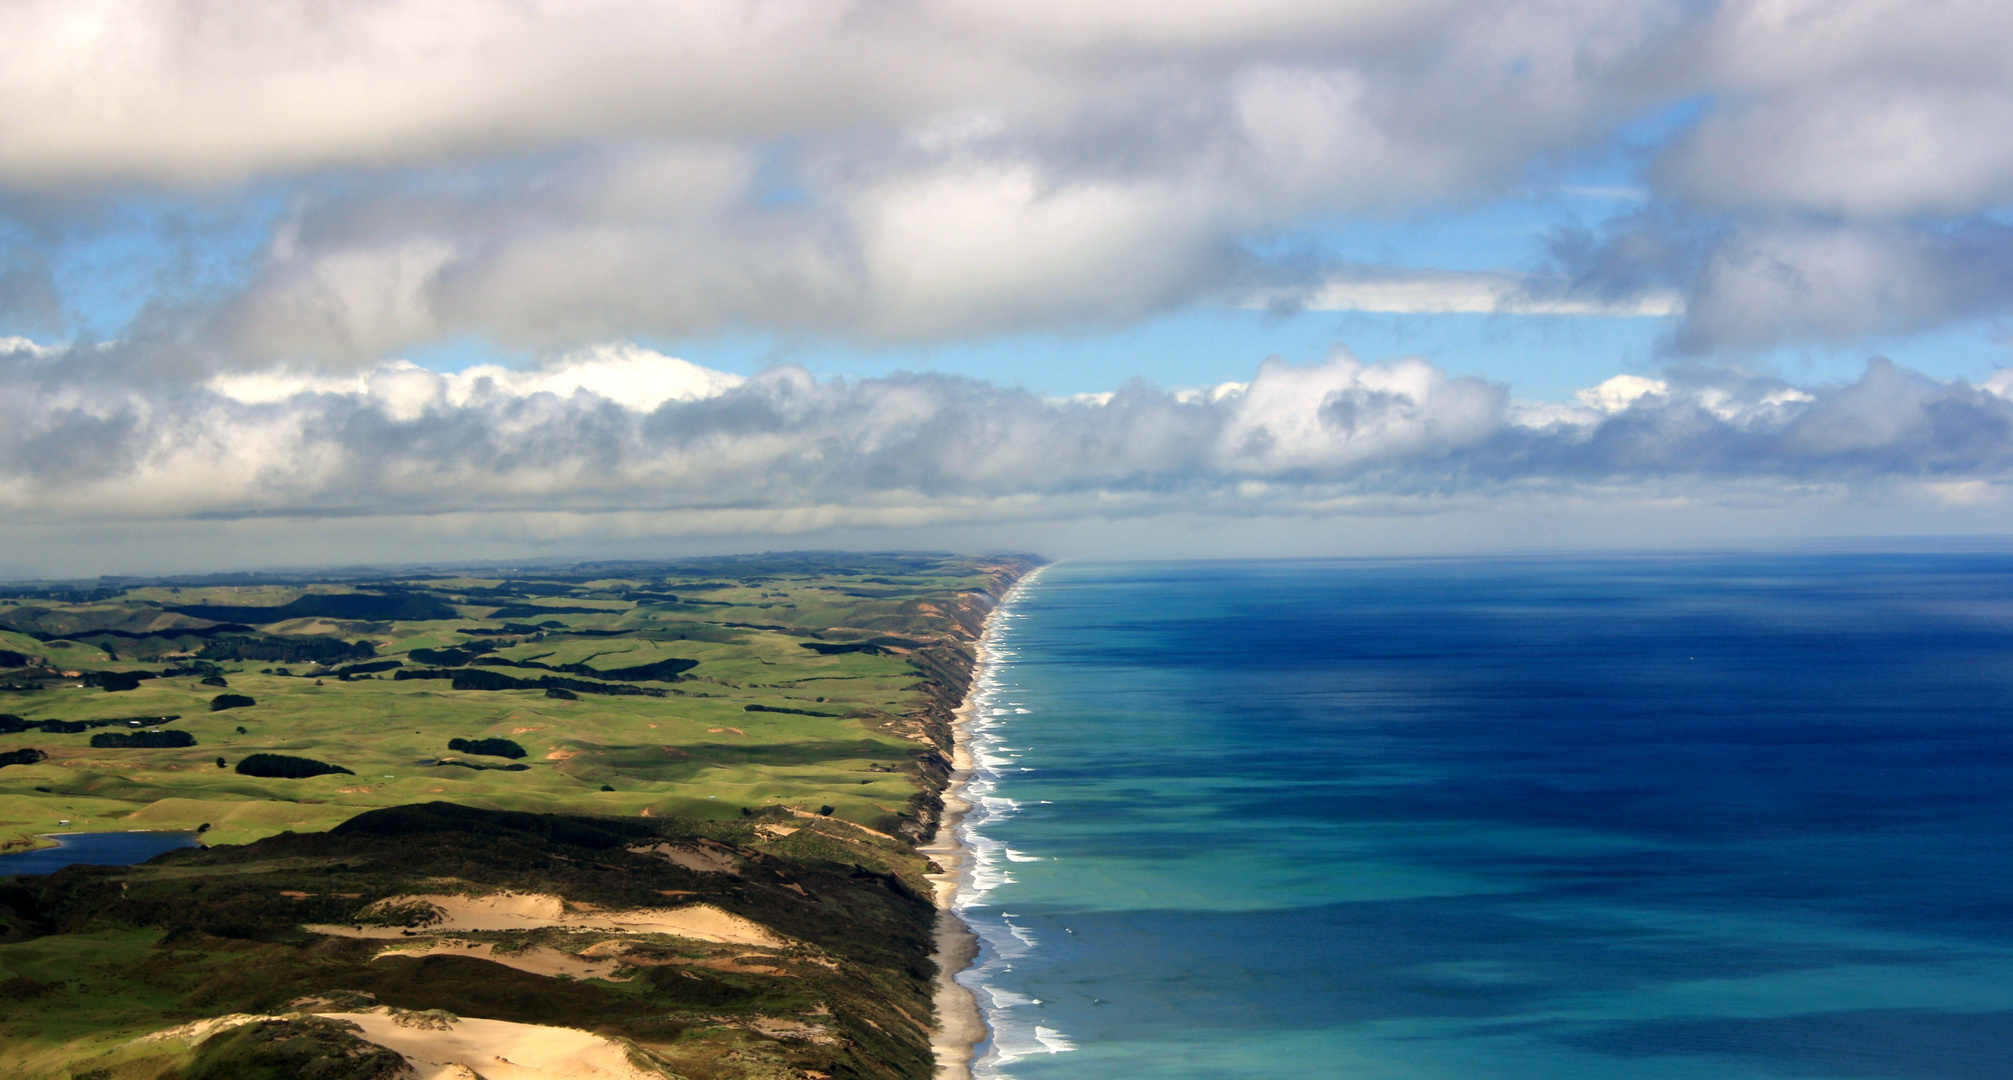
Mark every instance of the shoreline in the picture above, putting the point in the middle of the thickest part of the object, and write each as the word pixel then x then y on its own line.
pixel 961 1025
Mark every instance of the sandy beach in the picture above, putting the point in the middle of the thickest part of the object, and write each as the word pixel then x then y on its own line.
pixel 960 1025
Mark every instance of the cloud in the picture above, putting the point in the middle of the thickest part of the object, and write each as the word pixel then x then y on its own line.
pixel 630 376
pixel 887 171
pixel 1876 109
pixel 548 174
pixel 1462 292
pixel 1833 281
pixel 621 430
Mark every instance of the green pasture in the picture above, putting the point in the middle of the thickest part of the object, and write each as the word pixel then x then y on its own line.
pixel 695 751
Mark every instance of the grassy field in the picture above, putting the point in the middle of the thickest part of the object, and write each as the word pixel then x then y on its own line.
pixel 847 732
pixel 758 739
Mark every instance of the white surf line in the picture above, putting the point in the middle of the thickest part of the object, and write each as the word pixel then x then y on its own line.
pixel 961 1025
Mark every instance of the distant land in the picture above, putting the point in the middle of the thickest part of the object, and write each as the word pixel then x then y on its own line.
pixel 657 818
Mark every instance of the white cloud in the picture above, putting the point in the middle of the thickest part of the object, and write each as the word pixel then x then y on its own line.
pixel 1618 393
pixel 546 174
pixel 626 374
pixel 1462 292
pixel 1875 108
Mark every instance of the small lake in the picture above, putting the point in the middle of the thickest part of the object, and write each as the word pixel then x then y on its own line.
pixel 94 849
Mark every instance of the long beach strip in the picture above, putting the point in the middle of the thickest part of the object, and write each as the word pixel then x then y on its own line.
pixel 961 1027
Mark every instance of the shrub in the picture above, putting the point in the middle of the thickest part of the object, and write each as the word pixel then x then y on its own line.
pixel 352 670
pixel 214 680
pixel 453 657
pixel 561 694
pixel 287 767
pixel 230 701
pixel 117 680
pixel 27 755
pixel 490 747
pixel 292 649
pixel 155 740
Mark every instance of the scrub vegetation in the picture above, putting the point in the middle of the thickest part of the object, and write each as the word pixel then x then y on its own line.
pixel 759 740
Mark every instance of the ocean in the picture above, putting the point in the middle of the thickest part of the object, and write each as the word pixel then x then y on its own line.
pixel 1728 817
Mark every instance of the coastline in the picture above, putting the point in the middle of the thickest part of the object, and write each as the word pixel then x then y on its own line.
pixel 961 1026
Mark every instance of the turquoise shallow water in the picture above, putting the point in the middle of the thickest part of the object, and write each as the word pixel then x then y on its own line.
pixel 1680 818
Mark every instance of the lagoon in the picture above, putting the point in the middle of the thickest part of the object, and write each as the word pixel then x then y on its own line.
pixel 94 849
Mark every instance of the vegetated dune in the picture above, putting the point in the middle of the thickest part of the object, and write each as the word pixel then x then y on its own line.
pixel 699 860
pixel 448 1048
pixel 196 1031
pixel 537 960
pixel 533 911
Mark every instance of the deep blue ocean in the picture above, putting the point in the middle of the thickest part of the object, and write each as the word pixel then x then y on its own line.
pixel 1676 817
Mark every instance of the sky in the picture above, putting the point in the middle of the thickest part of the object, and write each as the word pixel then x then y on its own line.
pixel 288 283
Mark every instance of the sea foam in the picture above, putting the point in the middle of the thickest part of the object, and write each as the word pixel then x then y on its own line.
pixel 1015 1033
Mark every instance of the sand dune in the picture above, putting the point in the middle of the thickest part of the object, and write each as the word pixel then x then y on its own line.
pixel 456 1049
pixel 700 860
pixel 531 911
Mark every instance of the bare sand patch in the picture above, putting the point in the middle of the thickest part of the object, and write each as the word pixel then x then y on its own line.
pixel 534 911
pixel 498 1049
pixel 538 960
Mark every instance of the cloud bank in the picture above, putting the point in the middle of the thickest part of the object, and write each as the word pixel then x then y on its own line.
pixel 669 436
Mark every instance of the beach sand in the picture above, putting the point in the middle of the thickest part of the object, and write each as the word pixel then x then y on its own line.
pixel 959 1022
pixel 961 1027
